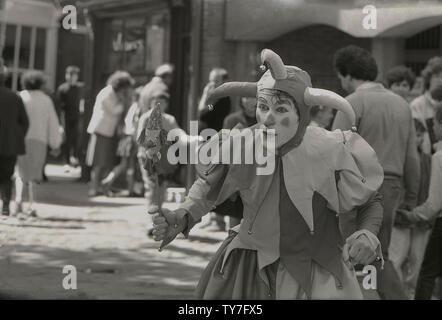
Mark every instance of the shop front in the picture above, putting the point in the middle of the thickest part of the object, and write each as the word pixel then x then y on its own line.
pixel 28 39
pixel 138 36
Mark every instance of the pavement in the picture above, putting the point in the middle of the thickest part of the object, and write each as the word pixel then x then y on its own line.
pixel 104 239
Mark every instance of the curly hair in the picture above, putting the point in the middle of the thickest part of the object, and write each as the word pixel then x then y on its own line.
pixel 356 62
pixel 434 66
pixel 398 74
pixel 120 80
pixel 33 80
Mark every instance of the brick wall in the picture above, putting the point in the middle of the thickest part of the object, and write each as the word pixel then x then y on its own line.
pixel 312 49
pixel 234 56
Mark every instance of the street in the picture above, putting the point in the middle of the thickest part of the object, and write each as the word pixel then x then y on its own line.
pixel 104 239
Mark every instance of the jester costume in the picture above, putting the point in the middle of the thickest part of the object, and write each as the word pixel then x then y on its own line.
pixel 289 244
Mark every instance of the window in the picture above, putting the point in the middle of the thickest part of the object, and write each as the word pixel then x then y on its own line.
pixel 428 39
pixel 137 44
pixel 24 49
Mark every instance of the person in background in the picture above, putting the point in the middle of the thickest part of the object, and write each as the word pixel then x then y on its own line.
pixel 154 194
pixel 244 118
pixel 71 105
pixel 408 241
pixel 424 106
pixel 431 209
pixel 400 80
pixel 161 82
pixel 14 124
pixel 213 118
pixel 127 151
pixel 384 120
pixel 111 103
pixel 321 116
pixel 44 131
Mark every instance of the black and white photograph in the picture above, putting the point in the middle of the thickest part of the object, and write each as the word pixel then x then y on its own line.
pixel 195 151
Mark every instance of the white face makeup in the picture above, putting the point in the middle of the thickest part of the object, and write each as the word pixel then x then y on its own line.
pixel 277 113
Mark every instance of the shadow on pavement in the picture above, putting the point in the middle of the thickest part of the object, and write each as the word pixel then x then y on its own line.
pixel 36 272
pixel 73 194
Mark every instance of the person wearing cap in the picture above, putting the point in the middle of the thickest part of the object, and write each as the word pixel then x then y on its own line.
pixel 288 245
pixel 384 120
pixel 70 98
pixel 14 124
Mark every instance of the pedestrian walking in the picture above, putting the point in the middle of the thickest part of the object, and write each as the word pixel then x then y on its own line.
pixel 44 130
pixel 110 105
pixel 408 241
pixel 14 124
pixel 71 105
pixel 126 150
pixel 431 209
pixel 384 120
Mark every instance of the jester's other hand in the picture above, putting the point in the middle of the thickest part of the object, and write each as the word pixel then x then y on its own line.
pixel 359 250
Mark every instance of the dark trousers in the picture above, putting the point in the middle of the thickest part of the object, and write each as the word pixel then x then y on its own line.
pixel 7 164
pixel 389 284
pixel 432 264
pixel 72 134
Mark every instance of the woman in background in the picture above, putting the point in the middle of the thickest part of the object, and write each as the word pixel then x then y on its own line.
pixel 44 130
pixel 109 108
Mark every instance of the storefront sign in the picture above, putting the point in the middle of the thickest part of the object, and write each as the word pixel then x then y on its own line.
pixel 118 45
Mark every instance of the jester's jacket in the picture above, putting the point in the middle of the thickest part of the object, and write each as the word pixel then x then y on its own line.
pixel 290 215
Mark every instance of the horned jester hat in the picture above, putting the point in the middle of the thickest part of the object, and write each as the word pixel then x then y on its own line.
pixel 293 81
pixel 311 153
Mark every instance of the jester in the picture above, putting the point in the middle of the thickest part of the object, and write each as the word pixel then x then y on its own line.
pixel 289 244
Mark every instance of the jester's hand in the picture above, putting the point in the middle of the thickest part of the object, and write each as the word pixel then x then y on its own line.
pixel 168 224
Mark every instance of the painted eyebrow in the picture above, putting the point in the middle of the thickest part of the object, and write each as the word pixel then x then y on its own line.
pixel 262 100
pixel 285 100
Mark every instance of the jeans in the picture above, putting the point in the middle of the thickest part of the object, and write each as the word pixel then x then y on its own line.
pixel 432 264
pixel 406 251
pixel 389 283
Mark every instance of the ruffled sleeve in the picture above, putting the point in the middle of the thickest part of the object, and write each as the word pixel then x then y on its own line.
pixel 358 172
